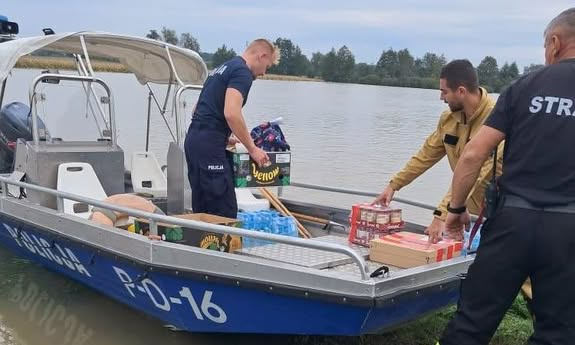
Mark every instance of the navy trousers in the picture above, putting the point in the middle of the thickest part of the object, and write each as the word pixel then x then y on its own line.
pixel 210 172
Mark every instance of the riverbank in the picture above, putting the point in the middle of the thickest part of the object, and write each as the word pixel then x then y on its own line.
pixel 63 63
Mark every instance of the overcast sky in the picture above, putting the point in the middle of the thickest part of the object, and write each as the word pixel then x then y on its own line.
pixel 509 30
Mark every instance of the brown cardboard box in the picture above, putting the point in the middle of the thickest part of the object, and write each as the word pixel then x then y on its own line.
pixel 406 249
pixel 203 239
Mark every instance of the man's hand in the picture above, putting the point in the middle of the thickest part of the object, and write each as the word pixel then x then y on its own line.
pixel 435 230
pixel 455 224
pixel 259 156
pixel 233 140
pixel 385 197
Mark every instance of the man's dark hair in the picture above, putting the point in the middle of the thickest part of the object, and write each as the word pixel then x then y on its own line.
pixel 460 73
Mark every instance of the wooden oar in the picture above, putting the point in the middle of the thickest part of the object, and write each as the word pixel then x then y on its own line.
pixel 278 205
pixel 325 222
pixel 310 218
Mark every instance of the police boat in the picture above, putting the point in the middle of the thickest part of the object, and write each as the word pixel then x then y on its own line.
pixel 321 286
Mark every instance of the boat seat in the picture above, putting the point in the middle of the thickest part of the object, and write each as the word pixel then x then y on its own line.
pixel 79 178
pixel 147 175
pixel 247 202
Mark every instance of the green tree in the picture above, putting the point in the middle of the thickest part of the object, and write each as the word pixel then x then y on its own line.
pixel 153 34
pixel 365 74
pixel 329 66
pixel 190 42
pixel 287 52
pixel 292 60
pixel 507 74
pixel 488 73
pixel 532 68
pixel 169 36
pixel 301 64
pixel 316 61
pixel 222 55
pixel 346 64
pixel 362 69
pixel 429 66
pixel 388 64
pixel 406 63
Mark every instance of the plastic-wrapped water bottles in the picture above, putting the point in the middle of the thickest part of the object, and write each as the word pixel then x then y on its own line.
pixel 268 221
pixel 465 242
pixel 474 242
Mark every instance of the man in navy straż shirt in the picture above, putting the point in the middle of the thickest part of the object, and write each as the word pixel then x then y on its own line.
pixel 217 115
pixel 532 232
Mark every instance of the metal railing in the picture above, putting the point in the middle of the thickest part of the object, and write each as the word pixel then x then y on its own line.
pixel 365 193
pixel 360 193
pixel 68 77
pixel 154 219
pixel 180 131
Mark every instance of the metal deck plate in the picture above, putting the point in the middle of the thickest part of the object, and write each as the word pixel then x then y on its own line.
pixel 306 257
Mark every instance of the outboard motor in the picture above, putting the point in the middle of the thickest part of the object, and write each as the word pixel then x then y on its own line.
pixel 15 123
pixel 7 29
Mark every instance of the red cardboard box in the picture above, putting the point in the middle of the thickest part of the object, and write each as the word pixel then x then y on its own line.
pixel 368 222
pixel 406 249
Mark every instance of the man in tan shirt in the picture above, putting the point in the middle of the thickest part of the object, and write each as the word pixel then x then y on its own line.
pixel 469 106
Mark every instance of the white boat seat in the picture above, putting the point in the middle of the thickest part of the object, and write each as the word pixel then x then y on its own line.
pixel 147 175
pixel 247 202
pixel 79 178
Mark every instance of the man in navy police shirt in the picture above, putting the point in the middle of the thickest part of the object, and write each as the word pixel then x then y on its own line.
pixel 532 233
pixel 218 115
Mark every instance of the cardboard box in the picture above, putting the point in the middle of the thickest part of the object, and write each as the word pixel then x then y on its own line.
pixel 194 237
pixel 406 249
pixel 168 232
pixel 248 174
pixel 368 222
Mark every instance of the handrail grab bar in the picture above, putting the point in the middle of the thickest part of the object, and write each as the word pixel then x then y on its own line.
pixel 180 131
pixel 69 77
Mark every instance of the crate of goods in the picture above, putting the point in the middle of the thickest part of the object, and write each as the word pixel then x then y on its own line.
pixel 371 221
pixel 276 173
pixel 196 237
pixel 406 249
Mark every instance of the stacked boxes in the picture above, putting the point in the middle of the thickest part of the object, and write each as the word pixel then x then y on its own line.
pixel 372 221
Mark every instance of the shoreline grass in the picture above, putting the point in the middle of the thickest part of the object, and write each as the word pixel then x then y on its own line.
pixel 63 63
pixel 288 77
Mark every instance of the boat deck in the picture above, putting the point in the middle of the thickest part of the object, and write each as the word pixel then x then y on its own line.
pixel 314 258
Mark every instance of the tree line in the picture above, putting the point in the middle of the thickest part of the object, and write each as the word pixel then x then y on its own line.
pixel 393 68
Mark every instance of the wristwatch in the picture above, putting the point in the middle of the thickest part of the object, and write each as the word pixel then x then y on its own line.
pixel 458 210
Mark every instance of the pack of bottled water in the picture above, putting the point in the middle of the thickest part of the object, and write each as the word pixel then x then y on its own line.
pixel 268 221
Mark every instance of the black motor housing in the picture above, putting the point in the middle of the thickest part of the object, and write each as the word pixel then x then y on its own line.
pixel 7 29
pixel 15 123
